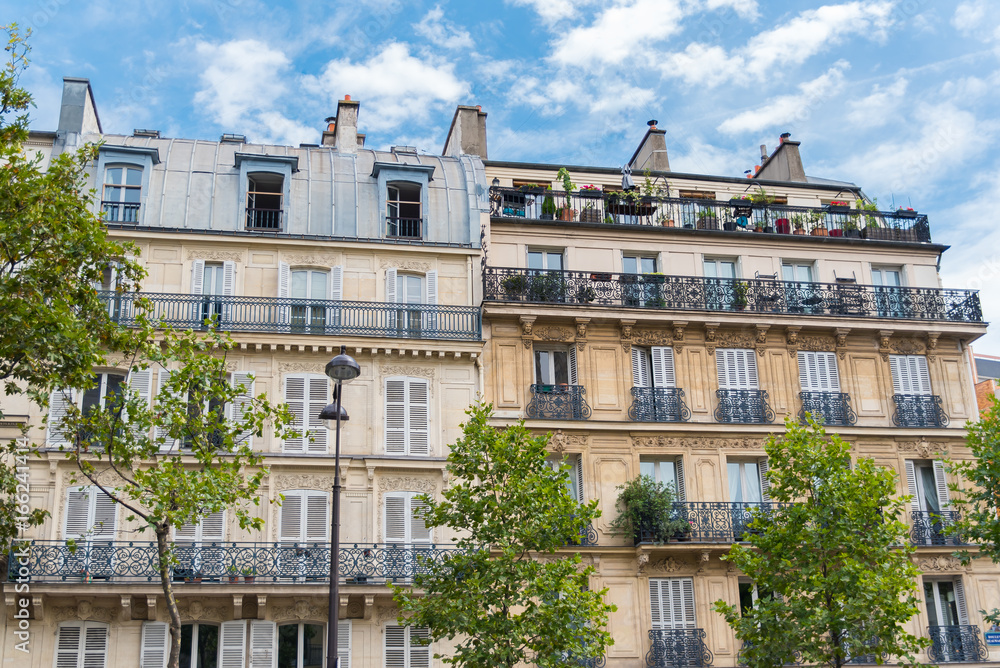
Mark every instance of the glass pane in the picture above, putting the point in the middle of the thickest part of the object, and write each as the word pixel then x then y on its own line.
pixel 629 265
pixel 560 362
pixel 535 260
pixel 113 388
pixel 949 607
pixel 132 195
pixel 930 500
pixel 727 269
pixel 288 646
pixel 931 601
pixel 208 646
pixel 114 176
pixel 892 278
pixel 648 469
pixel 112 194
pixel 554 261
pixel 92 396
pixel 318 288
pixel 410 289
pixel 751 483
pixel 648 265
pixel 746 596
pixel 803 272
pixel 300 279
pixel 133 177
pixel 876 277
pixel 787 272
pixel 312 646
pixel 668 476
pixel 543 374
pixel 186 631
pixel 735 489
pixel 711 271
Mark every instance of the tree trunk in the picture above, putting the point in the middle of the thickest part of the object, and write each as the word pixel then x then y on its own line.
pixel 162 549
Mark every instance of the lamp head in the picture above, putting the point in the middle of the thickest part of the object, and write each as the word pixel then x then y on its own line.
pixel 330 413
pixel 343 368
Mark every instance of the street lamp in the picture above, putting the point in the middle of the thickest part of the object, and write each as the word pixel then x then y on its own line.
pixel 341 369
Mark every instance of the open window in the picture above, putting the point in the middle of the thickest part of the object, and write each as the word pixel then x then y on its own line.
pixel 403 210
pixel 264 201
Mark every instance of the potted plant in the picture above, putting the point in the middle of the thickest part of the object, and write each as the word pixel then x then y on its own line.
pixel 818 219
pixel 586 294
pixel 608 220
pixel 515 284
pixel 590 213
pixel 566 212
pixel 234 574
pixel 590 190
pixel 707 220
pixel 548 206
pixel 249 574
pixel 838 206
pixel 783 226
pixel 798 223
pixel 851 230
pixel 647 512
pixel 906 212
pixel 740 289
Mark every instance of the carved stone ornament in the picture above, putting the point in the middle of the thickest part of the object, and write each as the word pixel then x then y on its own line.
pixel 560 441
pixel 932 341
pixel 405 265
pixel 626 327
pixel 416 371
pixel 386 614
pixel 84 611
pixel 527 322
pixel 679 332
pixel 697 443
pixel 668 565
pixel 908 346
pixel 216 255
pixel 406 484
pixel 310 259
pixel 819 343
pixel 924 449
pixel 944 562
pixel 651 337
pixel 640 562
pixel 729 339
pixel 300 610
pixel 302 367
pixel 528 343
pixel 283 481
pixel 554 333
pixel 884 337
pixel 196 611
pixel 581 327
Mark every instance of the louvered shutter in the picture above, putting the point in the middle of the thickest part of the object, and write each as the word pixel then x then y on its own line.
pixel 640 368
pixel 910 374
pixel 213 528
pixel 571 363
pixel 963 610
pixel 295 397
pixel 765 485
pixel 430 317
pixel 167 444
pixel 395 646
pixel 685 604
pixel 911 483
pixel 672 603
pixel 105 514
pixel 59 403
pixel 918 365
pixel 263 636
pixel 316 523
pixel 578 473
pixel 655 603
pixel 900 379
pixel 679 477
pixel 407 417
pixel 737 369
pixel 154 645
pixel 68 645
pixel 291 517
pixel 418 414
pixel 420 655
pixel 95 645
pixel 344 642
pixel 228 290
pixel 336 293
pixel 419 533
pixel 750 364
pixel 818 372
pixel 941 483
pixel 663 367
pixel 78 518
pixel 395 416
pixel 284 290
pixel 244 380
pixel 395 518
pixel 319 395
pixel 198 279
pixel 232 644
pixel 140 381
pixel 390 285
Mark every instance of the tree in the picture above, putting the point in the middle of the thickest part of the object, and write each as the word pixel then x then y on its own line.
pixel 831 562
pixel 176 460
pixel 508 606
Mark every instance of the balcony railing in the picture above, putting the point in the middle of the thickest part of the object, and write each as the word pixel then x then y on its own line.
pixel 302 316
pixel 709 522
pixel 268 220
pixel 658 404
pixel 558 402
pixel 956 644
pixel 935 528
pixel 676 648
pixel 743 406
pixel 833 407
pixel 404 228
pixel 120 212
pixel 918 410
pixel 757 295
pixel 742 216
pixel 297 563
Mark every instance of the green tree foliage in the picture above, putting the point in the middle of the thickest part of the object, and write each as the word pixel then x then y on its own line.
pixel 53 249
pixel 646 511
pixel 504 604
pixel 831 562
pixel 174 461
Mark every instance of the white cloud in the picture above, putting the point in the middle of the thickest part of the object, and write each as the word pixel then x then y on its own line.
pixel 394 85
pixel 979 19
pixel 789 109
pixel 552 11
pixel 620 31
pixel 701 158
pixel 877 109
pixel 441 32
pixel 745 8
pixel 617 96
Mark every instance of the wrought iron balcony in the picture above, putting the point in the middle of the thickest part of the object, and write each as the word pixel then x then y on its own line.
pixel 404 228
pixel 757 295
pixel 587 662
pixel 737 216
pixel 743 406
pixel 956 644
pixel 709 522
pixel 558 402
pixel 588 537
pixel 935 528
pixel 675 648
pixel 658 404
pixel 833 407
pixel 302 316
pixel 297 563
pixel 264 220
pixel 120 212
pixel 918 410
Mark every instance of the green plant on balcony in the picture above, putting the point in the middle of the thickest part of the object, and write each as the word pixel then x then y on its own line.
pixel 548 287
pixel 514 285
pixel 707 220
pixel 646 512
pixel 548 206
pixel 868 212
pixel 568 185
pixel 740 290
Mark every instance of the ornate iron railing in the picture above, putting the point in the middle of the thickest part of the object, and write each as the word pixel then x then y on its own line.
pixel 758 295
pixel 120 212
pixel 658 404
pixel 268 220
pixel 743 406
pixel 111 561
pixel 918 410
pixel 301 316
pixel 956 644
pixel 935 528
pixel 404 228
pixel 558 402
pixel 709 522
pixel 588 662
pixel 833 407
pixel 588 537
pixel 739 216
pixel 674 648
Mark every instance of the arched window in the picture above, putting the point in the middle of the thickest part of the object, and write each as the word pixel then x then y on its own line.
pixel 122 193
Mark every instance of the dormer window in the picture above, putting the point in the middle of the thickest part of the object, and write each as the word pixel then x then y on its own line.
pixel 403 217
pixel 264 200
pixel 122 192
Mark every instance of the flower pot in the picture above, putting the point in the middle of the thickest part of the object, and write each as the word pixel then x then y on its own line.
pixel 590 215
pixel 906 213
pixel 768 229
pixel 566 215
pixel 798 230
pixel 837 208
pixel 249 578
pixel 729 227
pixel 852 234
pixel 667 222
pixel 234 579
pixel 758 229
pixel 836 233
pixel 819 232
pixel 783 225
pixel 546 216
pixel 592 194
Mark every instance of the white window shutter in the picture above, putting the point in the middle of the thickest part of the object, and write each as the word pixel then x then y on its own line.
pixel 79 515
pixel 95 645
pixel 59 404
pixel 655 602
pixel 155 645
pixel 722 366
pixel 140 381
pixel 319 395
pixel 395 646
pixel 419 533
pixel 571 363
pixel 963 610
pixel 284 290
pixel 750 361
pixel 242 381
pixel 686 604
pixel 395 518
pixel 337 282
pixel 69 645
pixel 922 377
pixel 420 654
pixel 911 483
pixel 291 517
pixel 232 644
pixel 640 368
pixel 828 364
pixel 344 642
pixel 765 485
pixel 805 373
pixel 105 515
pixel 198 277
pixel 295 397
pixel 432 287
pixel 679 477
pixel 663 367
pixel 163 434
pixel 418 417
pixel 228 278
pixel 187 533
pixel 317 525
pixel 263 637
pixel 213 527
pixel 395 416
pixel 941 483
pixel 390 285
pixel 578 475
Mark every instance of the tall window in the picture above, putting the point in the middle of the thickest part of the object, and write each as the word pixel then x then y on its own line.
pixel 818 372
pixel 637 289
pixel 890 300
pixel 747 480
pixel 403 215
pixel 945 601
pixel 214 280
pixel 545 259
pixel 720 284
pixel 555 366
pixel 122 192
pixel 672 603
pixel 403 648
pixel 411 290
pixel 407 415
pixel 198 544
pixel 737 368
pixel 264 194
pixel 404 522
pixel 574 484
pixel 105 391
pixel 309 285
pixel 667 471
pixel 300 645
pixel 82 645
pixel 638 264
pixel 307 395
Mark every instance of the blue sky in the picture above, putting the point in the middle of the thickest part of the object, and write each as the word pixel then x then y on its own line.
pixel 899 96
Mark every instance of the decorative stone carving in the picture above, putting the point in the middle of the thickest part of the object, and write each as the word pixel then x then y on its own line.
pixel 908 346
pixel 561 441
pixel 84 611
pixel 301 609
pixel 197 611
pixel 302 367
pixel 418 371
pixel 640 562
pixel 406 265
pixel 668 565
pixel 819 343
pixel 703 560
pixel 679 326
pixel 923 449
pixel 626 327
pixel 554 333
pixel 386 614
pixel 932 340
pixel 841 334
pixel 884 336
pixel 698 443
pixel 729 339
pixel 309 259
pixel 216 255
pixel 407 483
pixel 527 321
pixel 581 327
pixel 652 337
pixel 283 481
pixel 944 562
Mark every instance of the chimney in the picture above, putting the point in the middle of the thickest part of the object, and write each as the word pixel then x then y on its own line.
pixel 467 134
pixel 763 153
pixel 652 151
pixel 77 114
pixel 328 138
pixel 345 130
pixel 785 164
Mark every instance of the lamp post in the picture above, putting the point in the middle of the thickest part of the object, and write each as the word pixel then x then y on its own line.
pixel 341 369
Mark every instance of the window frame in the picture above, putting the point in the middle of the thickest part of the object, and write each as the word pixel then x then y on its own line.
pixel 137 157
pixel 546 253
pixel 81 649
pixel 572 377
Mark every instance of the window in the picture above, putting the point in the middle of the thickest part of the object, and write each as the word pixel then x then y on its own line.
pixel 551 260
pixel 82 645
pixel 666 471
pixel 104 393
pixel 910 374
pixel 890 277
pixel 891 301
pixel 403 215
pixel 301 645
pixel 653 367
pixel 639 286
pixel 929 503
pixel 309 292
pixel 240 379
pixel 554 367
pixel 737 368
pixel 638 264
pixel 412 289
pixel 303 522
pixel 307 395
pixel 749 595
pixel 818 372
pixel 655 397
pixel 672 603
pixel 720 284
pixel 403 521
pixel 747 481
pixel 407 431
pixel 90 514
pixel 403 648
pixel 199 645
pixel 574 483
pixel 945 601
pixel 214 280
pixel 122 194
pixel 264 201
pixel 792 270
